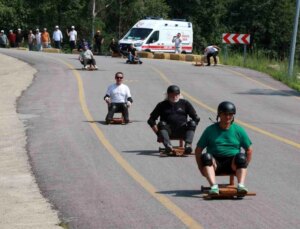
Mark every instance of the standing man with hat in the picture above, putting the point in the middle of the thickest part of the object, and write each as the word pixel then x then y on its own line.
pixel 3 39
pixel 72 37
pixel 38 40
pixel 98 41
pixel 12 39
pixel 19 38
pixel 57 37
pixel 46 41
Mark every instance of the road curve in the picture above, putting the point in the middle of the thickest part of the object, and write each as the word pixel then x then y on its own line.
pixel 100 176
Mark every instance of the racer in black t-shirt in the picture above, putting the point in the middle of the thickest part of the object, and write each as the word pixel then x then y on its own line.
pixel 173 113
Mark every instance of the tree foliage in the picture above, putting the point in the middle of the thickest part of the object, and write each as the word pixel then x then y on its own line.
pixel 269 22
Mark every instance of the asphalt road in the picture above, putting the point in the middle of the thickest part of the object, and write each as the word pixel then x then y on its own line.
pixel 100 176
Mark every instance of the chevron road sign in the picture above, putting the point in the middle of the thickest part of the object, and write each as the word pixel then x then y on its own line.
pixel 235 38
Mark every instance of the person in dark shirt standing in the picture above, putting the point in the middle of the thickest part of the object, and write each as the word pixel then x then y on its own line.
pixel 98 41
pixel 173 113
pixel 19 38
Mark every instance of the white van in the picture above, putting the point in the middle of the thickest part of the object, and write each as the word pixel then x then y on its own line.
pixel 156 35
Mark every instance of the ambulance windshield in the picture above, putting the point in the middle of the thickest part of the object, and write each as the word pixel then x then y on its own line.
pixel 138 34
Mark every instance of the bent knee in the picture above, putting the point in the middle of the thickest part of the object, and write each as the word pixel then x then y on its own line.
pixel 240 161
pixel 191 125
pixel 206 159
pixel 162 125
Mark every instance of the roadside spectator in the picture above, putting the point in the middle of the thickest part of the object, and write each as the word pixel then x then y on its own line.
pixel 31 40
pixel 98 41
pixel 3 39
pixel 72 37
pixel 57 37
pixel 114 48
pixel 177 40
pixel 213 51
pixel 38 40
pixel 12 39
pixel 19 38
pixel 46 41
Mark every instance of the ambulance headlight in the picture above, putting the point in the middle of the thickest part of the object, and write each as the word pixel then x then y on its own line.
pixel 138 44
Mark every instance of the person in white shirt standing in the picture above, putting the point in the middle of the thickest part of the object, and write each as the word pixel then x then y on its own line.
pixel 118 98
pixel 72 37
pixel 57 37
pixel 177 40
pixel 38 40
pixel 31 40
pixel 213 51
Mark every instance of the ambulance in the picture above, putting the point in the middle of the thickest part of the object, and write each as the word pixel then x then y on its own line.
pixel 156 35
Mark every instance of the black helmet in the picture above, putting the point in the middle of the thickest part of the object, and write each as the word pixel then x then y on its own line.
pixel 173 89
pixel 226 107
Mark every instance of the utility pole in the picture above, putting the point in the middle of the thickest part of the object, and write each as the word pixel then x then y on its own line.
pixel 95 13
pixel 93 18
pixel 293 42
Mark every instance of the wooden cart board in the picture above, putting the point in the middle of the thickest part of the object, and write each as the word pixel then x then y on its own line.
pixel 228 193
pixel 178 151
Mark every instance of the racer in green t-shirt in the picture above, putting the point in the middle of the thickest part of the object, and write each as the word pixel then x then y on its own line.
pixel 223 142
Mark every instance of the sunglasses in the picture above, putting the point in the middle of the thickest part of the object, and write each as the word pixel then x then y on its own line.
pixel 119 77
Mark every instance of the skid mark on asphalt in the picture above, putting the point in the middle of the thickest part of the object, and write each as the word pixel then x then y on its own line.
pixel 166 202
pixel 203 105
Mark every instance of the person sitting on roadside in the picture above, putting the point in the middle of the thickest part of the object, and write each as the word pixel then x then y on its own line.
pixel 132 55
pixel 86 57
pixel 173 113
pixel 115 49
pixel 223 141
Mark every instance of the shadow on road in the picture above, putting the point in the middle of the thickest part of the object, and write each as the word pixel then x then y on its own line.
pixel 102 122
pixel 270 92
pixel 183 193
pixel 144 152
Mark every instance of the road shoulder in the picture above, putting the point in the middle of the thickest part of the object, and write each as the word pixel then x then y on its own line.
pixel 22 205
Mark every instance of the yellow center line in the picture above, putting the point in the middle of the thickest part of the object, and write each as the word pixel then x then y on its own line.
pixel 203 105
pixel 166 202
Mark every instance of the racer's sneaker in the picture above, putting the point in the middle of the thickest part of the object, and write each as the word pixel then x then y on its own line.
pixel 188 148
pixel 126 122
pixel 169 150
pixel 96 68
pixel 241 189
pixel 85 67
pixel 214 190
